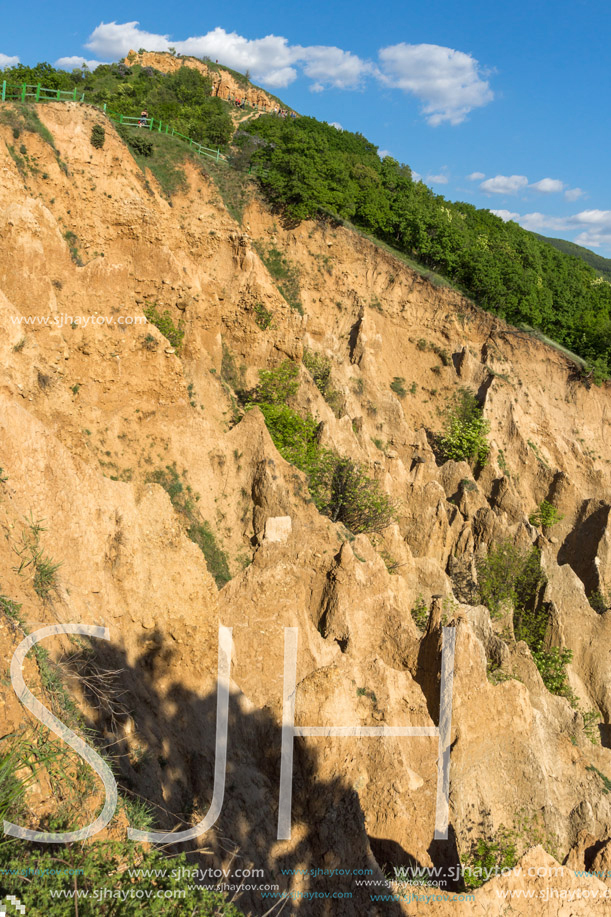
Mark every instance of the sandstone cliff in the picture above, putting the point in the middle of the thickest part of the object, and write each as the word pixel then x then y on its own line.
pixel 90 414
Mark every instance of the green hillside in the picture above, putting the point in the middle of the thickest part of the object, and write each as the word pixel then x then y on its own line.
pixel 601 265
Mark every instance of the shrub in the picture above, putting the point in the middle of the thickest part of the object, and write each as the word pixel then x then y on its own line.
pixel 98 136
pixel 599 602
pixel 508 574
pixel 285 273
pixel 216 560
pixel 545 516
pixel 184 500
pixel 293 436
pixel 398 386
pixel 486 856
pixel 149 342
pixel 552 665
pixel 465 431
pixel 420 613
pixel 164 323
pixel 319 368
pixel 277 385
pixel 71 239
pixel 230 373
pixel 263 317
pixel 591 719
pixel 514 575
pixel 442 353
pixel 140 144
pixel 342 490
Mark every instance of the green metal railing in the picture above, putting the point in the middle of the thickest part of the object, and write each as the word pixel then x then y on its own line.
pixel 25 93
pixel 151 124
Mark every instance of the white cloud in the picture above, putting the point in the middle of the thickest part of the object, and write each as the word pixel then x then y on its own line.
pixel 593 226
pixel 416 176
pixel 7 61
pixel 333 67
pixel 449 83
pixel 336 125
pixel 115 39
pixel 548 185
pixel 504 184
pixel 572 194
pixel 270 59
pixel 71 63
pixel 384 153
pixel 537 221
pixel 476 176
pixel 596 228
pixel 594 239
pixel 598 217
pixel 506 215
pixel 437 179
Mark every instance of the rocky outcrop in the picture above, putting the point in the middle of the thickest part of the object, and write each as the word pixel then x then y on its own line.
pixel 225 85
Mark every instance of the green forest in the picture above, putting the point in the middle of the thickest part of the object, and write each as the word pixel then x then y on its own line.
pixel 310 169
pixel 601 265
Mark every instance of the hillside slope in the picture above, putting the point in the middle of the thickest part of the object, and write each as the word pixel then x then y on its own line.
pixel 601 265
pixel 153 480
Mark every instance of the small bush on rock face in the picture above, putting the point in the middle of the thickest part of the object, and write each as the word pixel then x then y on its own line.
pixel 98 136
pixel 465 432
pixel 552 665
pixel 545 516
pixel 488 856
pixel 508 574
pixel 420 613
pixel 293 436
pixel 164 323
pixel 184 500
pixel 263 316
pixel 600 602
pixel 342 490
pixel 319 368
pixel 398 386
pixel 277 385
pixel 513 575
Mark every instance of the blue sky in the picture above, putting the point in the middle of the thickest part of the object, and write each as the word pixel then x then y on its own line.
pixel 502 105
